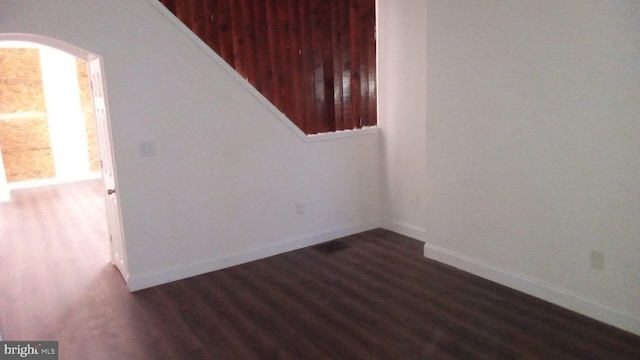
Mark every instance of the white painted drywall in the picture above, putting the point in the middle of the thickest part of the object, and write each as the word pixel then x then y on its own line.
pixel 402 108
pixel 228 172
pixel 532 147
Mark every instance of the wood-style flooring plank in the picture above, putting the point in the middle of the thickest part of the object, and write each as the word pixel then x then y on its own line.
pixel 368 296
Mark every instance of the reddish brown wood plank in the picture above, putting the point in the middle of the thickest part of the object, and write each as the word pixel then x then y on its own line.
pixel 183 12
pixel 275 53
pixel 337 31
pixel 308 74
pixel 264 78
pixel 286 61
pixel 170 5
pixel 327 63
pixel 197 22
pixel 372 111
pixel 238 34
pixel 295 56
pixel 314 60
pixel 210 8
pixel 249 40
pixel 318 67
pixel 223 21
pixel 356 94
pixel 346 66
pixel 364 42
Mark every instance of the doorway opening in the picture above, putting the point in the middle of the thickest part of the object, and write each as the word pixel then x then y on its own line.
pixel 73 148
pixel 47 126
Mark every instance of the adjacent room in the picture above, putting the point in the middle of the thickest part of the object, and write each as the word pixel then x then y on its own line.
pixel 341 179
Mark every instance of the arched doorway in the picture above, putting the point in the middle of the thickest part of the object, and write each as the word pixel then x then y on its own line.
pixel 100 104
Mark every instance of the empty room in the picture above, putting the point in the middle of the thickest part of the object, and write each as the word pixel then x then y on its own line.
pixel 344 179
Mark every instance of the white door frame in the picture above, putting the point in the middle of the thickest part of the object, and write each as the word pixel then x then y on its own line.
pixel 103 126
pixel 114 218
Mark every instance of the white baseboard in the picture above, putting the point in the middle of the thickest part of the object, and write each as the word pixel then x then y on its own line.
pixel 406 229
pixel 535 287
pixel 139 282
pixel 28 184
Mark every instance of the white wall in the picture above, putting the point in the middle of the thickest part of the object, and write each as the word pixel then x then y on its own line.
pixel 532 148
pixel 517 122
pixel 402 107
pixel 228 172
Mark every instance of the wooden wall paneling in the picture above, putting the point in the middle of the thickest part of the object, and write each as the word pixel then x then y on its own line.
pixel 249 36
pixel 224 32
pixel 319 76
pixel 263 81
pixel 369 32
pixel 336 51
pixel 363 23
pixel 313 59
pixel 346 65
pixel 297 68
pixel 183 12
pixel 239 50
pixel 170 5
pixel 355 61
pixel 293 96
pixel 372 112
pixel 327 63
pixel 274 53
pixel 284 63
pixel 308 76
pixel 296 94
pixel 210 17
pixel 197 16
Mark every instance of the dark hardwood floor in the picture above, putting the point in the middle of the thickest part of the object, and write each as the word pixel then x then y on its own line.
pixel 368 296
